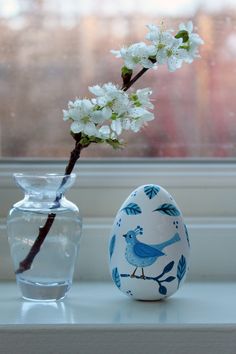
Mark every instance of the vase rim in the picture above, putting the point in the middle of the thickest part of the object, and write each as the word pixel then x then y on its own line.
pixel 43 175
pixel 44 184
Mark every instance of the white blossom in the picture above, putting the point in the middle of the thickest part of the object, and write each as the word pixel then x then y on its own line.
pixel 143 98
pixel 194 41
pixel 80 113
pixel 137 54
pixel 140 118
pixel 110 112
pixel 169 49
pixel 164 49
pixel 158 37
pixel 112 97
pixel 174 54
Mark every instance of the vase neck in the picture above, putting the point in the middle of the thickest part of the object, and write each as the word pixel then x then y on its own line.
pixel 45 190
pixel 44 184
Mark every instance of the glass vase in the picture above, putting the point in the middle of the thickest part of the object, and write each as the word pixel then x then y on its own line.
pixel 44 231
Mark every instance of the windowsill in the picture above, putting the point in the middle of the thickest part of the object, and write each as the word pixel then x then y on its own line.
pixel 96 317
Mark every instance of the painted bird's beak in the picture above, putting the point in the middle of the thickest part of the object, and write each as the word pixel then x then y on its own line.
pixel 124 236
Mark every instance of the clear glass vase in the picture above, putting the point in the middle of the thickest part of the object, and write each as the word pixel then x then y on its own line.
pixel 44 231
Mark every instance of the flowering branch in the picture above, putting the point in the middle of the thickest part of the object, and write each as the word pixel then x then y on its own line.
pixel 103 118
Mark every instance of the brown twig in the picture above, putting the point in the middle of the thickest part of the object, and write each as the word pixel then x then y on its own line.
pixel 44 230
pixel 127 85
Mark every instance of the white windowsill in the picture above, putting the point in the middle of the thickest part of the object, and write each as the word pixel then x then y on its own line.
pixel 98 318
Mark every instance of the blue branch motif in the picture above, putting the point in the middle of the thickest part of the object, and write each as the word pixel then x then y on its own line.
pixel 112 245
pixel 162 289
pixel 132 209
pixel 181 269
pixel 168 209
pixel 151 191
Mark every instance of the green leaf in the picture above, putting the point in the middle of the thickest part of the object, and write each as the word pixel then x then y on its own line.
pixel 114 143
pixel 186 47
pixel 126 71
pixel 153 59
pixel 113 116
pixel 183 34
pixel 135 100
pixel 86 140
pixel 126 74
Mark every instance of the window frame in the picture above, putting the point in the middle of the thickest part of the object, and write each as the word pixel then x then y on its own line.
pixel 204 190
pixel 179 177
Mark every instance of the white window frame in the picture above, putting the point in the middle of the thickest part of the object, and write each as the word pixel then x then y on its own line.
pixel 204 190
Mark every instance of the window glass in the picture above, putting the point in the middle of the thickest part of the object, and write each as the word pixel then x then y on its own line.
pixel 52 50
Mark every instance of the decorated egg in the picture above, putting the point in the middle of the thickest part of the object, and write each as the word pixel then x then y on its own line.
pixel 149 245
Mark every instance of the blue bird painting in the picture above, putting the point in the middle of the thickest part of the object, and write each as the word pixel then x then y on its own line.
pixel 142 255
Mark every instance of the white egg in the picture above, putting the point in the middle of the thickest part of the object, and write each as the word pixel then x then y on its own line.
pixel 149 245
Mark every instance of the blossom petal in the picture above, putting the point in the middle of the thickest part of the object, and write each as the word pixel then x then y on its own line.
pixel 90 129
pixel 75 127
pixel 107 113
pixel 116 126
pixel 66 115
pixel 105 131
pixel 96 90
pixel 189 26
pixel 97 117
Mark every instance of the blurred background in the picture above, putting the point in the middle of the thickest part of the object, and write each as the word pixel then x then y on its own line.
pixel 52 50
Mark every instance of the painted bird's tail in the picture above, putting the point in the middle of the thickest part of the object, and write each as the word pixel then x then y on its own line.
pixel 161 246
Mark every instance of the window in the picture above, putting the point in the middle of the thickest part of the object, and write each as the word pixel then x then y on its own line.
pixel 51 51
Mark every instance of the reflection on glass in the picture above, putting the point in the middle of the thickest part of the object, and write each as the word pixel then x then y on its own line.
pixel 51 51
pixel 44 313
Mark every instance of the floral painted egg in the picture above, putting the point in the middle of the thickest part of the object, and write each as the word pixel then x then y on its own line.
pixel 149 245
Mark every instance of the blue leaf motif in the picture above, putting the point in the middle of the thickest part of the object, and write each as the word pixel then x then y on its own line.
pixel 169 279
pixel 162 290
pixel 187 236
pixel 132 209
pixel 112 245
pixel 181 269
pixel 168 209
pixel 151 191
pixel 116 277
pixel 168 267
